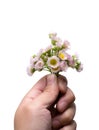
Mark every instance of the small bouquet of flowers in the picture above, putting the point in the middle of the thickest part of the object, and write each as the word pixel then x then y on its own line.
pixel 54 58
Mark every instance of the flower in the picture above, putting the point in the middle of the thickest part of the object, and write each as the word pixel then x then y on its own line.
pixel 71 61
pixel 56 39
pixel 48 48
pixel 40 53
pixel 54 58
pixel 55 70
pixel 53 62
pixel 58 44
pixel 62 55
pixel 33 60
pixel 63 66
pixel 30 70
pixel 66 44
pixel 52 35
pixel 39 65
pixel 80 68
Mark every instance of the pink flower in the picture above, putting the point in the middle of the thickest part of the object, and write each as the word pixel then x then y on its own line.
pixel 29 71
pixel 66 44
pixel 57 39
pixel 63 66
pixel 80 68
pixel 40 53
pixel 33 60
pixel 58 44
pixel 71 61
pixel 39 65
pixel 51 35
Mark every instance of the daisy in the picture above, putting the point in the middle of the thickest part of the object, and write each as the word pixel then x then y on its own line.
pixel 63 55
pixel 53 62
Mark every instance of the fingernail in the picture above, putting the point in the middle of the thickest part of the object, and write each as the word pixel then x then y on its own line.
pixel 63 79
pixel 56 123
pixel 63 84
pixel 51 79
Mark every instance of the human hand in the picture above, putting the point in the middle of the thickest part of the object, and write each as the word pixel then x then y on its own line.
pixel 47 106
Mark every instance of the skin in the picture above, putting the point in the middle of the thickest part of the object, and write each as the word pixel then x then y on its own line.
pixel 49 105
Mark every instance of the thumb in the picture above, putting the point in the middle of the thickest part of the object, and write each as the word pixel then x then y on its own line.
pixel 50 93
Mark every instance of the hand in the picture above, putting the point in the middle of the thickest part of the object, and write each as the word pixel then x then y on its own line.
pixel 47 106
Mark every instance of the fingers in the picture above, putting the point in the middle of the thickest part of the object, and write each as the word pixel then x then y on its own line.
pixel 64 118
pixel 65 101
pixel 50 93
pixel 40 86
pixel 71 126
pixel 62 82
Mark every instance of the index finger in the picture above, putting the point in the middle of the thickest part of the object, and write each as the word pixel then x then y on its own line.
pixel 37 88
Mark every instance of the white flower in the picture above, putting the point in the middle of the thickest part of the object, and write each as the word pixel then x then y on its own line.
pixel 63 55
pixel 39 65
pixel 55 70
pixel 53 62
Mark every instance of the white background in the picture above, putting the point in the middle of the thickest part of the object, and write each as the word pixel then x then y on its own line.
pixel 24 28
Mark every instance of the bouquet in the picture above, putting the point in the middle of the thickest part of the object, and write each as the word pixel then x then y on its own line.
pixel 54 58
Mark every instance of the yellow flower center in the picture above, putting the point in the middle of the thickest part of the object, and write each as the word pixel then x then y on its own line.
pixel 61 55
pixel 55 69
pixel 53 62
